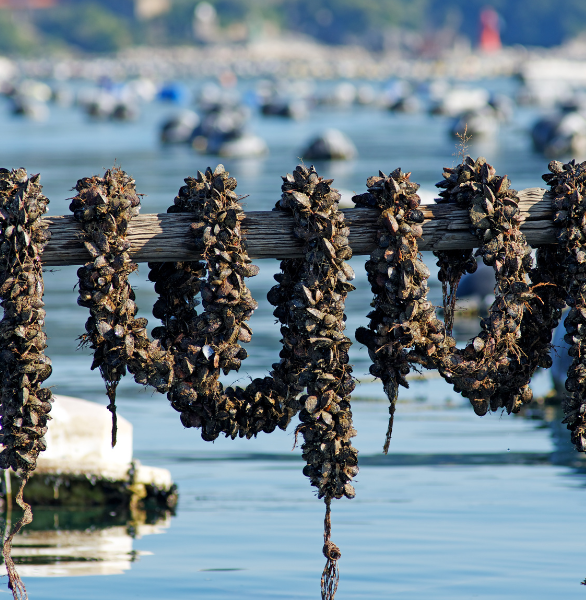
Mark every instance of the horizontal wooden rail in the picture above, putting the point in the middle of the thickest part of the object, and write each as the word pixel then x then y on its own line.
pixel 166 237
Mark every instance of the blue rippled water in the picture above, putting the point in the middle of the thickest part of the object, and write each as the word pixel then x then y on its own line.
pixel 462 507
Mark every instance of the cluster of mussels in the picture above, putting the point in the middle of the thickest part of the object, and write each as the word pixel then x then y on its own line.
pixel 314 344
pixel 104 206
pixel 191 349
pixel 493 370
pixel 568 186
pixel 24 405
pixel 516 335
pixel 402 315
pixel 483 372
pixel 310 303
pixel 203 345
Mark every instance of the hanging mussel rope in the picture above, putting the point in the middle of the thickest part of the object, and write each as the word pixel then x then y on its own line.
pixel 315 336
pixel 104 207
pixel 398 278
pixel 23 366
pixel 516 335
pixel 190 350
pixel 195 348
pixel 206 344
pixel 494 370
pixel 568 184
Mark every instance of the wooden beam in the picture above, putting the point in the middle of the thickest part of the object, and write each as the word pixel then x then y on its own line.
pixel 166 237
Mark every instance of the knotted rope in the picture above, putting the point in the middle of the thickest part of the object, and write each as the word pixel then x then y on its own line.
pixel 14 581
pixel 331 575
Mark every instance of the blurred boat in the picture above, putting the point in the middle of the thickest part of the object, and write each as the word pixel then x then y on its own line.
pixel 478 286
pixel 455 101
pixel 479 123
pixel 366 95
pixel 239 144
pixel 331 144
pixel 179 129
pixel 100 105
pixel 561 360
pixel 222 131
pixel 561 134
pixel 407 104
pixel 290 108
pixel 125 111
pixel 21 106
pixel 173 92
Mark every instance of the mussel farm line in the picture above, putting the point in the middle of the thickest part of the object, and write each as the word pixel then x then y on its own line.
pixel 270 234
pixel 204 245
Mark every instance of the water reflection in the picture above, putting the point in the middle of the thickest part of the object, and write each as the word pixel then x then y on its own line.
pixel 550 412
pixel 74 543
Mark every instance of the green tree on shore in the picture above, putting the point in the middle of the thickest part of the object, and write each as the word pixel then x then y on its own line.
pixel 108 25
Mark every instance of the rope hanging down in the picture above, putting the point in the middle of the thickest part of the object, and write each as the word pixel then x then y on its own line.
pixel 24 404
pixel 104 206
pixel 204 345
pixel 331 576
pixel 317 311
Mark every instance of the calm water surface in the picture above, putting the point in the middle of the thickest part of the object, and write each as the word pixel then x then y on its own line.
pixel 462 507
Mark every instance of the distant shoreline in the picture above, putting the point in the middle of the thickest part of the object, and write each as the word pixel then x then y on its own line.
pixel 302 58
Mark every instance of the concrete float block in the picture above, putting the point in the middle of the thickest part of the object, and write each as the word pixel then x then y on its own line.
pixel 90 501
pixel 80 467
pixel 79 441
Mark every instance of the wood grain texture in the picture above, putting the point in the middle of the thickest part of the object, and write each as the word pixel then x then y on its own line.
pixel 268 234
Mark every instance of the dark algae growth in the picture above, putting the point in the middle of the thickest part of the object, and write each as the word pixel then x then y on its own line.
pixel 192 347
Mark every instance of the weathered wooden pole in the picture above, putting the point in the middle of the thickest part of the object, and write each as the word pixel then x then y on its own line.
pixel 166 237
